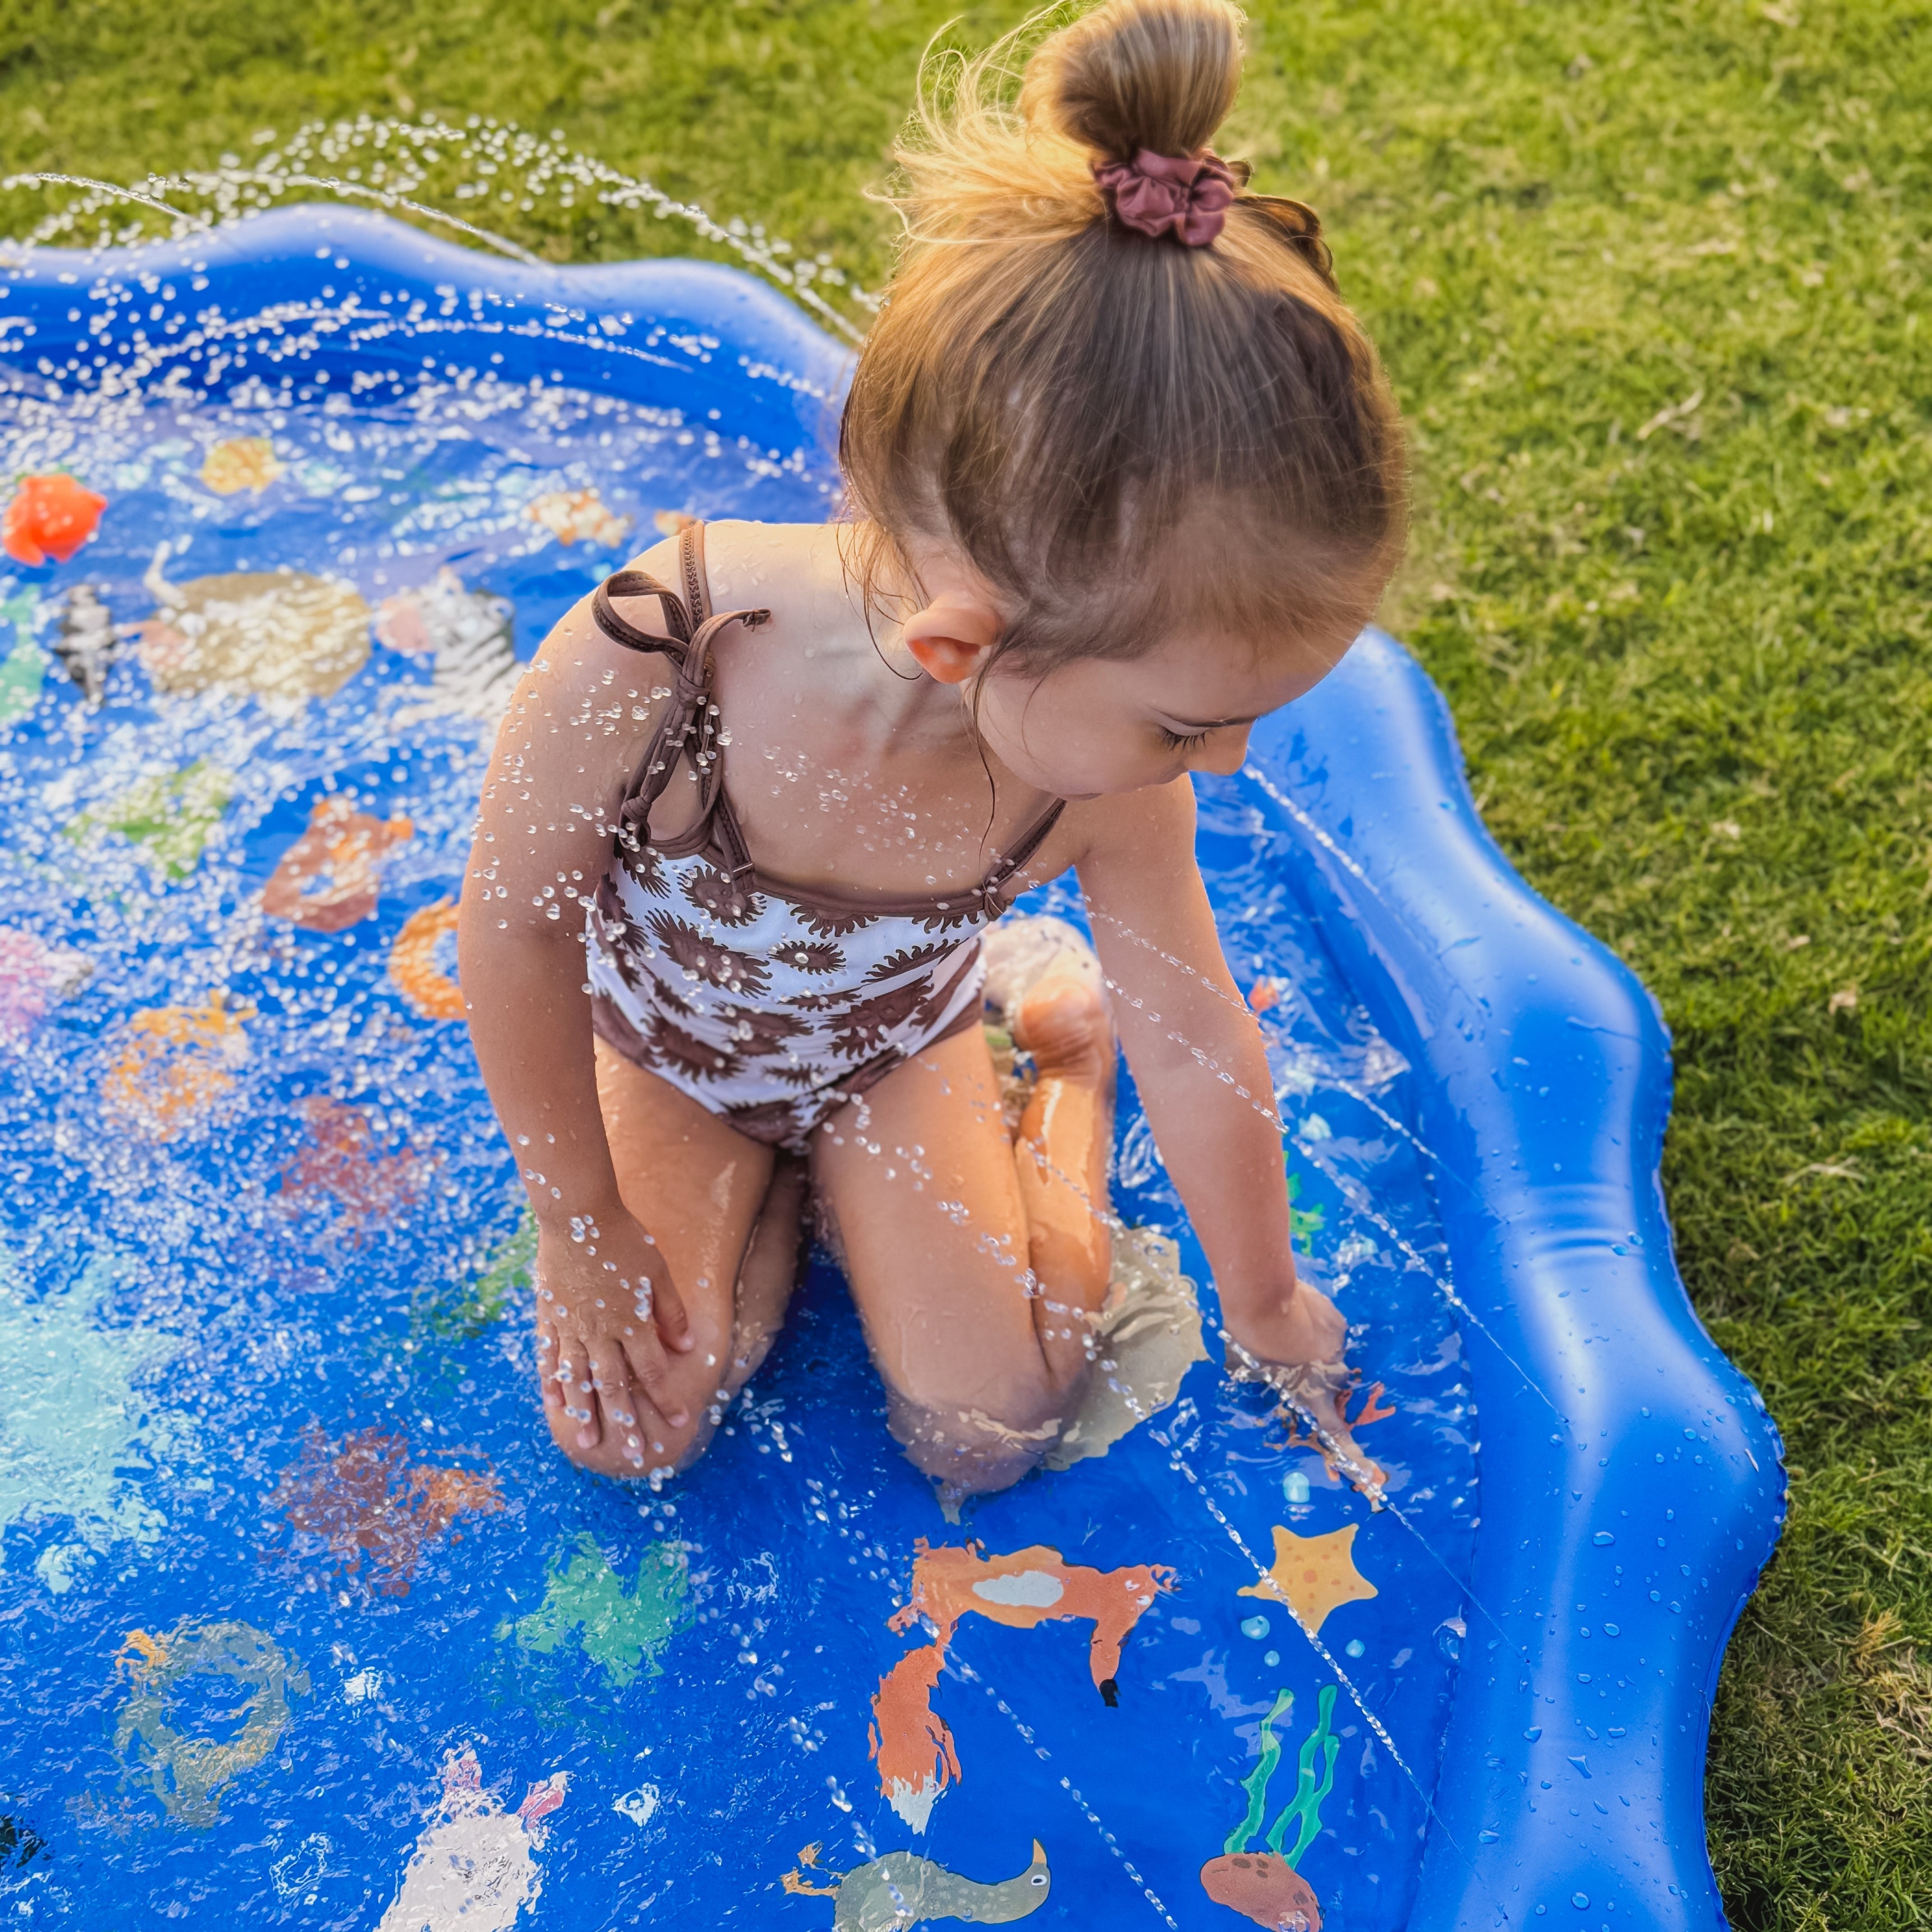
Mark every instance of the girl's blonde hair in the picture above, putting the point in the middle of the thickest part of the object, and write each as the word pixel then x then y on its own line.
pixel 1125 435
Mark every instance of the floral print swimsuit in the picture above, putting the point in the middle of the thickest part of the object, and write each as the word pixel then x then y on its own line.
pixel 771 1005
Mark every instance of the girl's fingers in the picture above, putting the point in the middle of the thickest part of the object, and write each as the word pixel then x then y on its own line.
pixel 576 1377
pixel 651 1373
pixel 673 1325
pixel 546 1359
pixel 630 1418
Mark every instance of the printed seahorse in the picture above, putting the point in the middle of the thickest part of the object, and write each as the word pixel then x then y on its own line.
pixel 1265 1886
pixel 901 1890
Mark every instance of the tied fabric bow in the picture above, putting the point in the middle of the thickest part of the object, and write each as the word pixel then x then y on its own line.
pixel 1186 196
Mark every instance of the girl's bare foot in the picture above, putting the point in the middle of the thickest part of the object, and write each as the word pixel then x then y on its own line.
pixel 1056 1006
pixel 1063 1022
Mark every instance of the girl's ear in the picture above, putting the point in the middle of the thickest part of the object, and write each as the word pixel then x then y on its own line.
pixel 950 639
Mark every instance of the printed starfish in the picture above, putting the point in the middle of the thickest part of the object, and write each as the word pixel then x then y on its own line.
pixel 1313 1575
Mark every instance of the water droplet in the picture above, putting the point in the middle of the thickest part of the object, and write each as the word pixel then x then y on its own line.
pixel 1581 1900
pixel 1355 1646
pixel 1603 1539
pixel 1256 1627
pixel 1294 1486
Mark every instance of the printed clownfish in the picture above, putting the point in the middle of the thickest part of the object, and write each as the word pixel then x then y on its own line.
pixel 49 517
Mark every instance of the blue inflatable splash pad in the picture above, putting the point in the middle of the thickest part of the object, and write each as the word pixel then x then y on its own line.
pixel 307 1622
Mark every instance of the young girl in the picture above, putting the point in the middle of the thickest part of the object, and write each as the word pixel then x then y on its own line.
pixel 1123 476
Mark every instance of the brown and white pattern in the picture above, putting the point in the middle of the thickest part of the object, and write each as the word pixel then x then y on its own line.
pixel 757 1018
pixel 768 1010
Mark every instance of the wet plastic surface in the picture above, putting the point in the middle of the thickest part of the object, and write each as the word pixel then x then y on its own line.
pixel 302 1604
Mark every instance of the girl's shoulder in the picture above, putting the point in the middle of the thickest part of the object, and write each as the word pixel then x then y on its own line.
pixel 796 571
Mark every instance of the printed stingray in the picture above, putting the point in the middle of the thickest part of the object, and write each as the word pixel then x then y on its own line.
pixel 283 636
pixel 900 1890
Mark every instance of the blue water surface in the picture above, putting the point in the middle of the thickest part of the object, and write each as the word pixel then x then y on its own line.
pixel 284 1536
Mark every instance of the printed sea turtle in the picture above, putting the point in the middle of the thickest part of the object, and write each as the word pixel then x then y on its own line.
pixel 282 636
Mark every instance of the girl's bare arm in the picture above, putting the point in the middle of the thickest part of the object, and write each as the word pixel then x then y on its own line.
pixel 564 755
pixel 1198 1060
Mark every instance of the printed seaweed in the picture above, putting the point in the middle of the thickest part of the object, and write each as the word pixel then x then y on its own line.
pixel 1264 1886
pixel 1306 1804
pixel 482 1302
pixel 1304 1223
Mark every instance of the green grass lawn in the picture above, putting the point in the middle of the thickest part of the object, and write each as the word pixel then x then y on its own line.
pixel 1651 281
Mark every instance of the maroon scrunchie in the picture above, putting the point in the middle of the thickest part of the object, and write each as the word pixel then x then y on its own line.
pixel 1186 196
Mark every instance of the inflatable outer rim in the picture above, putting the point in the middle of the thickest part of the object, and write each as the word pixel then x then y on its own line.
pixel 1571 1779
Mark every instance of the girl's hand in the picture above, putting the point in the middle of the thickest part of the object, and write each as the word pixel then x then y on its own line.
pixel 607 1316
pixel 1297 1345
pixel 1303 1325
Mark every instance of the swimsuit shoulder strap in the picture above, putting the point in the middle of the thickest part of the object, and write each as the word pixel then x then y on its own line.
pixel 690 567
pixel 688 728
pixel 620 630
pixel 682 615
pixel 1030 840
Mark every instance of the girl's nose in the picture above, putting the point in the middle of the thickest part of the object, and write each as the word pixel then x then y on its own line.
pixel 1224 752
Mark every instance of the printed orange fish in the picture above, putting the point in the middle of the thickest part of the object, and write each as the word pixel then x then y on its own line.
pixel 413 963
pixel 50 516
pixel 327 880
pixel 174 1062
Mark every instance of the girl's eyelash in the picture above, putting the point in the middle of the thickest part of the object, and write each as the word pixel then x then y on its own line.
pixel 1177 742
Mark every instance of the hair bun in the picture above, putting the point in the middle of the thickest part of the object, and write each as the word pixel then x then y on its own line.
pixel 1160 75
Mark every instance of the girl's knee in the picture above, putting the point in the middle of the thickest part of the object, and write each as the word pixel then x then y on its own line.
pixel 972 1447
